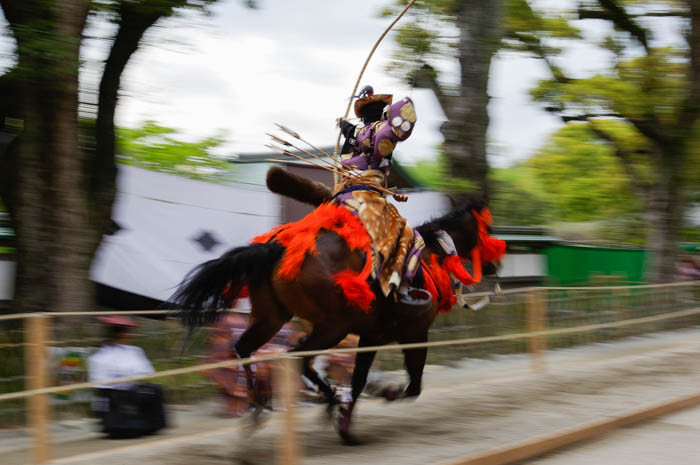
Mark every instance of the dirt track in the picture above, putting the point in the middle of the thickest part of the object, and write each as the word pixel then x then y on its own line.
pixel 471 407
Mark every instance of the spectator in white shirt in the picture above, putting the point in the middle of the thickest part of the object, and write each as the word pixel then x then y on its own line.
pixel 127 410
pixel 115 359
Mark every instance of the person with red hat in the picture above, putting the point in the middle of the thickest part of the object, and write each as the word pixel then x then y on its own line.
pixel 126 410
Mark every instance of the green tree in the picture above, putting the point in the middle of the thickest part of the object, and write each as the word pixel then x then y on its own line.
pixel 581 176
pixel 155 147
pixel 59 192
pixel 468 32
pixel 42 176
pixel 517 197
pixel 436 174
pixel 644 106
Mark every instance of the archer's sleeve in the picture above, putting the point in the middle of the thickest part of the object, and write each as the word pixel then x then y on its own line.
pixel 402 118
pixel 398 127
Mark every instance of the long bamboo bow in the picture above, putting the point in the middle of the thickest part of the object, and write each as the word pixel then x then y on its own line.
pixel 357 83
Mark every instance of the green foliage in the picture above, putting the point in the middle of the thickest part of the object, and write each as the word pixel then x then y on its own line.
pixel 435 174
pixel 160 8
pixel 575 178
pixel 582 177
pixel 584 182
pixel 45 53
pixel 637 114
pixel 427 36
pixel 154 147
pixel 645 88
pixel 517 197
pixel 445 9
pixel 422 36
pixel 527 30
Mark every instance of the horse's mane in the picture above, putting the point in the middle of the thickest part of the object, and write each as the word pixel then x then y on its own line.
pixel 450 220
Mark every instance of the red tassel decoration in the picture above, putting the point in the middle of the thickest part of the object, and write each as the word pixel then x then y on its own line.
pixel 453 264
pixel 355 288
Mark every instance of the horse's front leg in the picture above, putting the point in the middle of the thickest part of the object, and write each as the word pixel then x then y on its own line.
pixel 363 362
pixel 414 361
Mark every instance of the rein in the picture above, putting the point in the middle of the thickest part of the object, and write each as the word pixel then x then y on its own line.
pixel 438 272
pixel 487 248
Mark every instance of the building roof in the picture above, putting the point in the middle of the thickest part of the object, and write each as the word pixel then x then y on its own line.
pixel 528 238
pixel 398 177
pixel 525 235
pixel 270 155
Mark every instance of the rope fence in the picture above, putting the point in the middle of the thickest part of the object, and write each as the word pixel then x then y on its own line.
pixel 532 319
pixel 300 354
pixel 519 290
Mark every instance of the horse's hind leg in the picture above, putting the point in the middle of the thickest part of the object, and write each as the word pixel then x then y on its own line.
pixel 320 338
pixel 266 319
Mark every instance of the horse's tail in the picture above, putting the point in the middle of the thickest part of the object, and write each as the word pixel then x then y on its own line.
pixel 210 286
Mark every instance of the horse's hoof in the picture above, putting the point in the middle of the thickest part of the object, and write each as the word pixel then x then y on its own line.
pixel 392 393
pixel 257 417
pixel 343 424
pixel 410 391
pixel 331 411
pixel 349 439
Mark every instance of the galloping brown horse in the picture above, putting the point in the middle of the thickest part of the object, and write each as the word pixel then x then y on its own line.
pixel 313 295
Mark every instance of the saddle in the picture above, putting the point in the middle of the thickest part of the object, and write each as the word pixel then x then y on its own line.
pixel 395 245
pixel 426 280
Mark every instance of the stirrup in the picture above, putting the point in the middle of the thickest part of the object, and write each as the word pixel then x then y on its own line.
pixel 413 303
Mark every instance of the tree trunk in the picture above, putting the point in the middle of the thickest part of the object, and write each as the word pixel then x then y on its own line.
pixel 59 201
pixel 134 22
pixel 29 212
pixel 465 134
pixel 663 215
pixel 48 205
pixel 71 258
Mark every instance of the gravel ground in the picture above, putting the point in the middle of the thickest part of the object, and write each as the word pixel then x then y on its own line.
pixel 671 439
pixel 467 408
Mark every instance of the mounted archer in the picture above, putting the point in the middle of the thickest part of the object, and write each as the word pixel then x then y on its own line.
pixel 370 147
pixel 367 153
pixel 366 160
pixel 344 266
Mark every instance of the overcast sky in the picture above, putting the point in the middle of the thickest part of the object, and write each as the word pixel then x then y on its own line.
pixel 295 63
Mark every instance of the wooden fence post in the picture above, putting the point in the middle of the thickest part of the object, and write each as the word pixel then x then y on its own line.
pixel 37 371
pixel 288 375
pixel 537 321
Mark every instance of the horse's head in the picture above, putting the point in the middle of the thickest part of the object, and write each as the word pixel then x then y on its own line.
pixel 468 226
